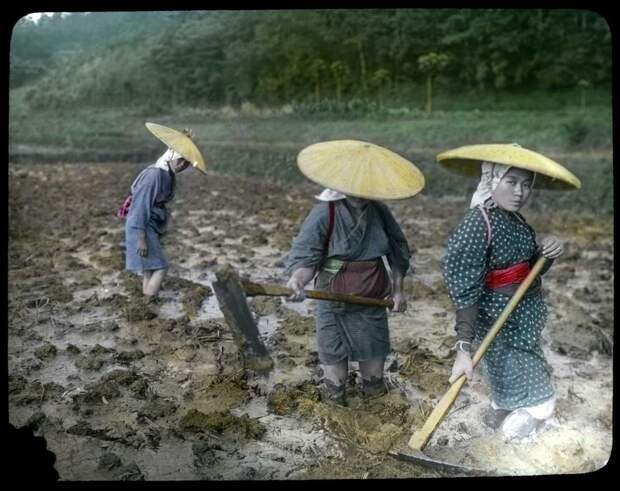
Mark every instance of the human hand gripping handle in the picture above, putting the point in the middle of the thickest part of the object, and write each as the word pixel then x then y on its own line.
pixel 463 364
pixel 398 297
pixel 551 248
pixel 400 302
pixel 419 439
pixel 297 281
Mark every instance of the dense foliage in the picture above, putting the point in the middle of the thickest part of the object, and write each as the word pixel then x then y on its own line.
pixel 313 58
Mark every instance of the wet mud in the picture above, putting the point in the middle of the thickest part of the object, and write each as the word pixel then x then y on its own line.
pixel 124 390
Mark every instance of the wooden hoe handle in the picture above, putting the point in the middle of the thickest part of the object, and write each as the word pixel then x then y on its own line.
pixel 421 437
pixel 267 289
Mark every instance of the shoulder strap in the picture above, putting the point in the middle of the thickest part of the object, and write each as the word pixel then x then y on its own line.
pixel 488 223
pixel 330 225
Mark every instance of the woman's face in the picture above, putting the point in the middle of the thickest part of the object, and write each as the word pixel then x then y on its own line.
pixel 514 189
pixel 179 165
pixel 357 203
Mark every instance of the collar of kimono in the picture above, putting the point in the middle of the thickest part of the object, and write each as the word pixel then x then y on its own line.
pixel 330 195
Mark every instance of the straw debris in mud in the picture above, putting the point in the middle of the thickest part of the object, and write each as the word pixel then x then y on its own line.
pixel 374 426
pixel 426 371
pixel 67 288
pixel 192 294
pixel 265 305
pixel 222 421
pixel 222 393
pixel 283 400
pixel 45 352
pixel 296 324
pixel 109 260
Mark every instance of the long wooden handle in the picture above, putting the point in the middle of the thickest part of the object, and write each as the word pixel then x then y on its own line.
pixel 419 439
pixel 253 289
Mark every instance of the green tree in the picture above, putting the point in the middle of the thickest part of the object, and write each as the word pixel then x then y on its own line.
pixel 380 78
pixel 340 72
pixel 317 68
pixel 431 64
pixel 226 57
pixel 583 85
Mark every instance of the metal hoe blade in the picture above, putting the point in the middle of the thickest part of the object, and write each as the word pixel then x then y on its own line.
pixel 413 453
pixel 419 457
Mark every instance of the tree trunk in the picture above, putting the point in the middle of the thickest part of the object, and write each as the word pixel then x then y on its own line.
pixel 338 92
pixel 429 94
pixel 362 66
pixel 583 99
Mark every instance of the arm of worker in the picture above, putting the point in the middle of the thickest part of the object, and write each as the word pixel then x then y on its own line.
pixel 465 266
pixel 398 296
pixel 551 248
pixel 465 322
pixel 297 281
pixel 142 249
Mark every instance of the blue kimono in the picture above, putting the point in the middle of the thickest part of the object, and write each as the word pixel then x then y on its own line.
pixel 151 190
pixel 346 331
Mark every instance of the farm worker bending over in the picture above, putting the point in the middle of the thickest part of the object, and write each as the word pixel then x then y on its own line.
pixel 147 216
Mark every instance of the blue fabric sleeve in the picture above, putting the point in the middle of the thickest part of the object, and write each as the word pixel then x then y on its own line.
pixel 465 261
pixel 399 256
pixel 144 192
pixel 307 250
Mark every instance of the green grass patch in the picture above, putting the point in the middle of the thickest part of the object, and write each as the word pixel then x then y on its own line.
pixel 265 144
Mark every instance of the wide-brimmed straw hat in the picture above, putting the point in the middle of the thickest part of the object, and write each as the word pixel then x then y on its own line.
pixel 466 160
pixel 360 169
pixel 180 142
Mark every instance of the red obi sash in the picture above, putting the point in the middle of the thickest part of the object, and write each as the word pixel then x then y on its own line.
pixel 497 278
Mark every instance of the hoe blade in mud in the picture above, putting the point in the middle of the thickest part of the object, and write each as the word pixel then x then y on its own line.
pixel 233 305
pixel 420 458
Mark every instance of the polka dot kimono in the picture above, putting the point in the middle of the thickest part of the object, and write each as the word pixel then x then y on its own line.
pixel 515 365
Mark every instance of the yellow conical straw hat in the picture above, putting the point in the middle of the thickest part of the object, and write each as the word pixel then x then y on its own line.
pixel 179 142
pixel 549 174
pixel 360 169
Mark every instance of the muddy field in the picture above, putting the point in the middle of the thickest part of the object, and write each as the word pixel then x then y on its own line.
pixel 124 393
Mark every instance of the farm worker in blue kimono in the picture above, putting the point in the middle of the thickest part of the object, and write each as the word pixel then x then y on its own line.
pixel 351 243
pixel 147 217
pixel 488 254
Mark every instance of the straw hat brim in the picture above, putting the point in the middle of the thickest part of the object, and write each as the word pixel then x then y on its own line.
pixel 466 161
pixel 179 142
pixel 360 169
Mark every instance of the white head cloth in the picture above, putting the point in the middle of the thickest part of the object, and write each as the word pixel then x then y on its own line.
pixel 168 156
pixel 330 195
pixel 491 174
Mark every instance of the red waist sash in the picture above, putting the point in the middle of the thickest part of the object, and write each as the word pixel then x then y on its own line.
pixel 497 278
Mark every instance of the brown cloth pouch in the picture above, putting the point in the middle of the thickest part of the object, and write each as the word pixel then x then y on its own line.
pixel 363 278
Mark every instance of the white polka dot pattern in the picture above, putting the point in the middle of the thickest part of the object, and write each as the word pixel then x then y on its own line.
pixel 514 363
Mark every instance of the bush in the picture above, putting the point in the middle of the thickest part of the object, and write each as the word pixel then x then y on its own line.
pixel 353 109
pixel 576 131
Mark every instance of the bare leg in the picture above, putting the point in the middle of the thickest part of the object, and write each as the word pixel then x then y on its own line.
pixel 145 280
pixel 372 377
pixel 334 382
pixel 154 283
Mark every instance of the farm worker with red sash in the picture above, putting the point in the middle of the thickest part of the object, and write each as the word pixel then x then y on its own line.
pixel 487 256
